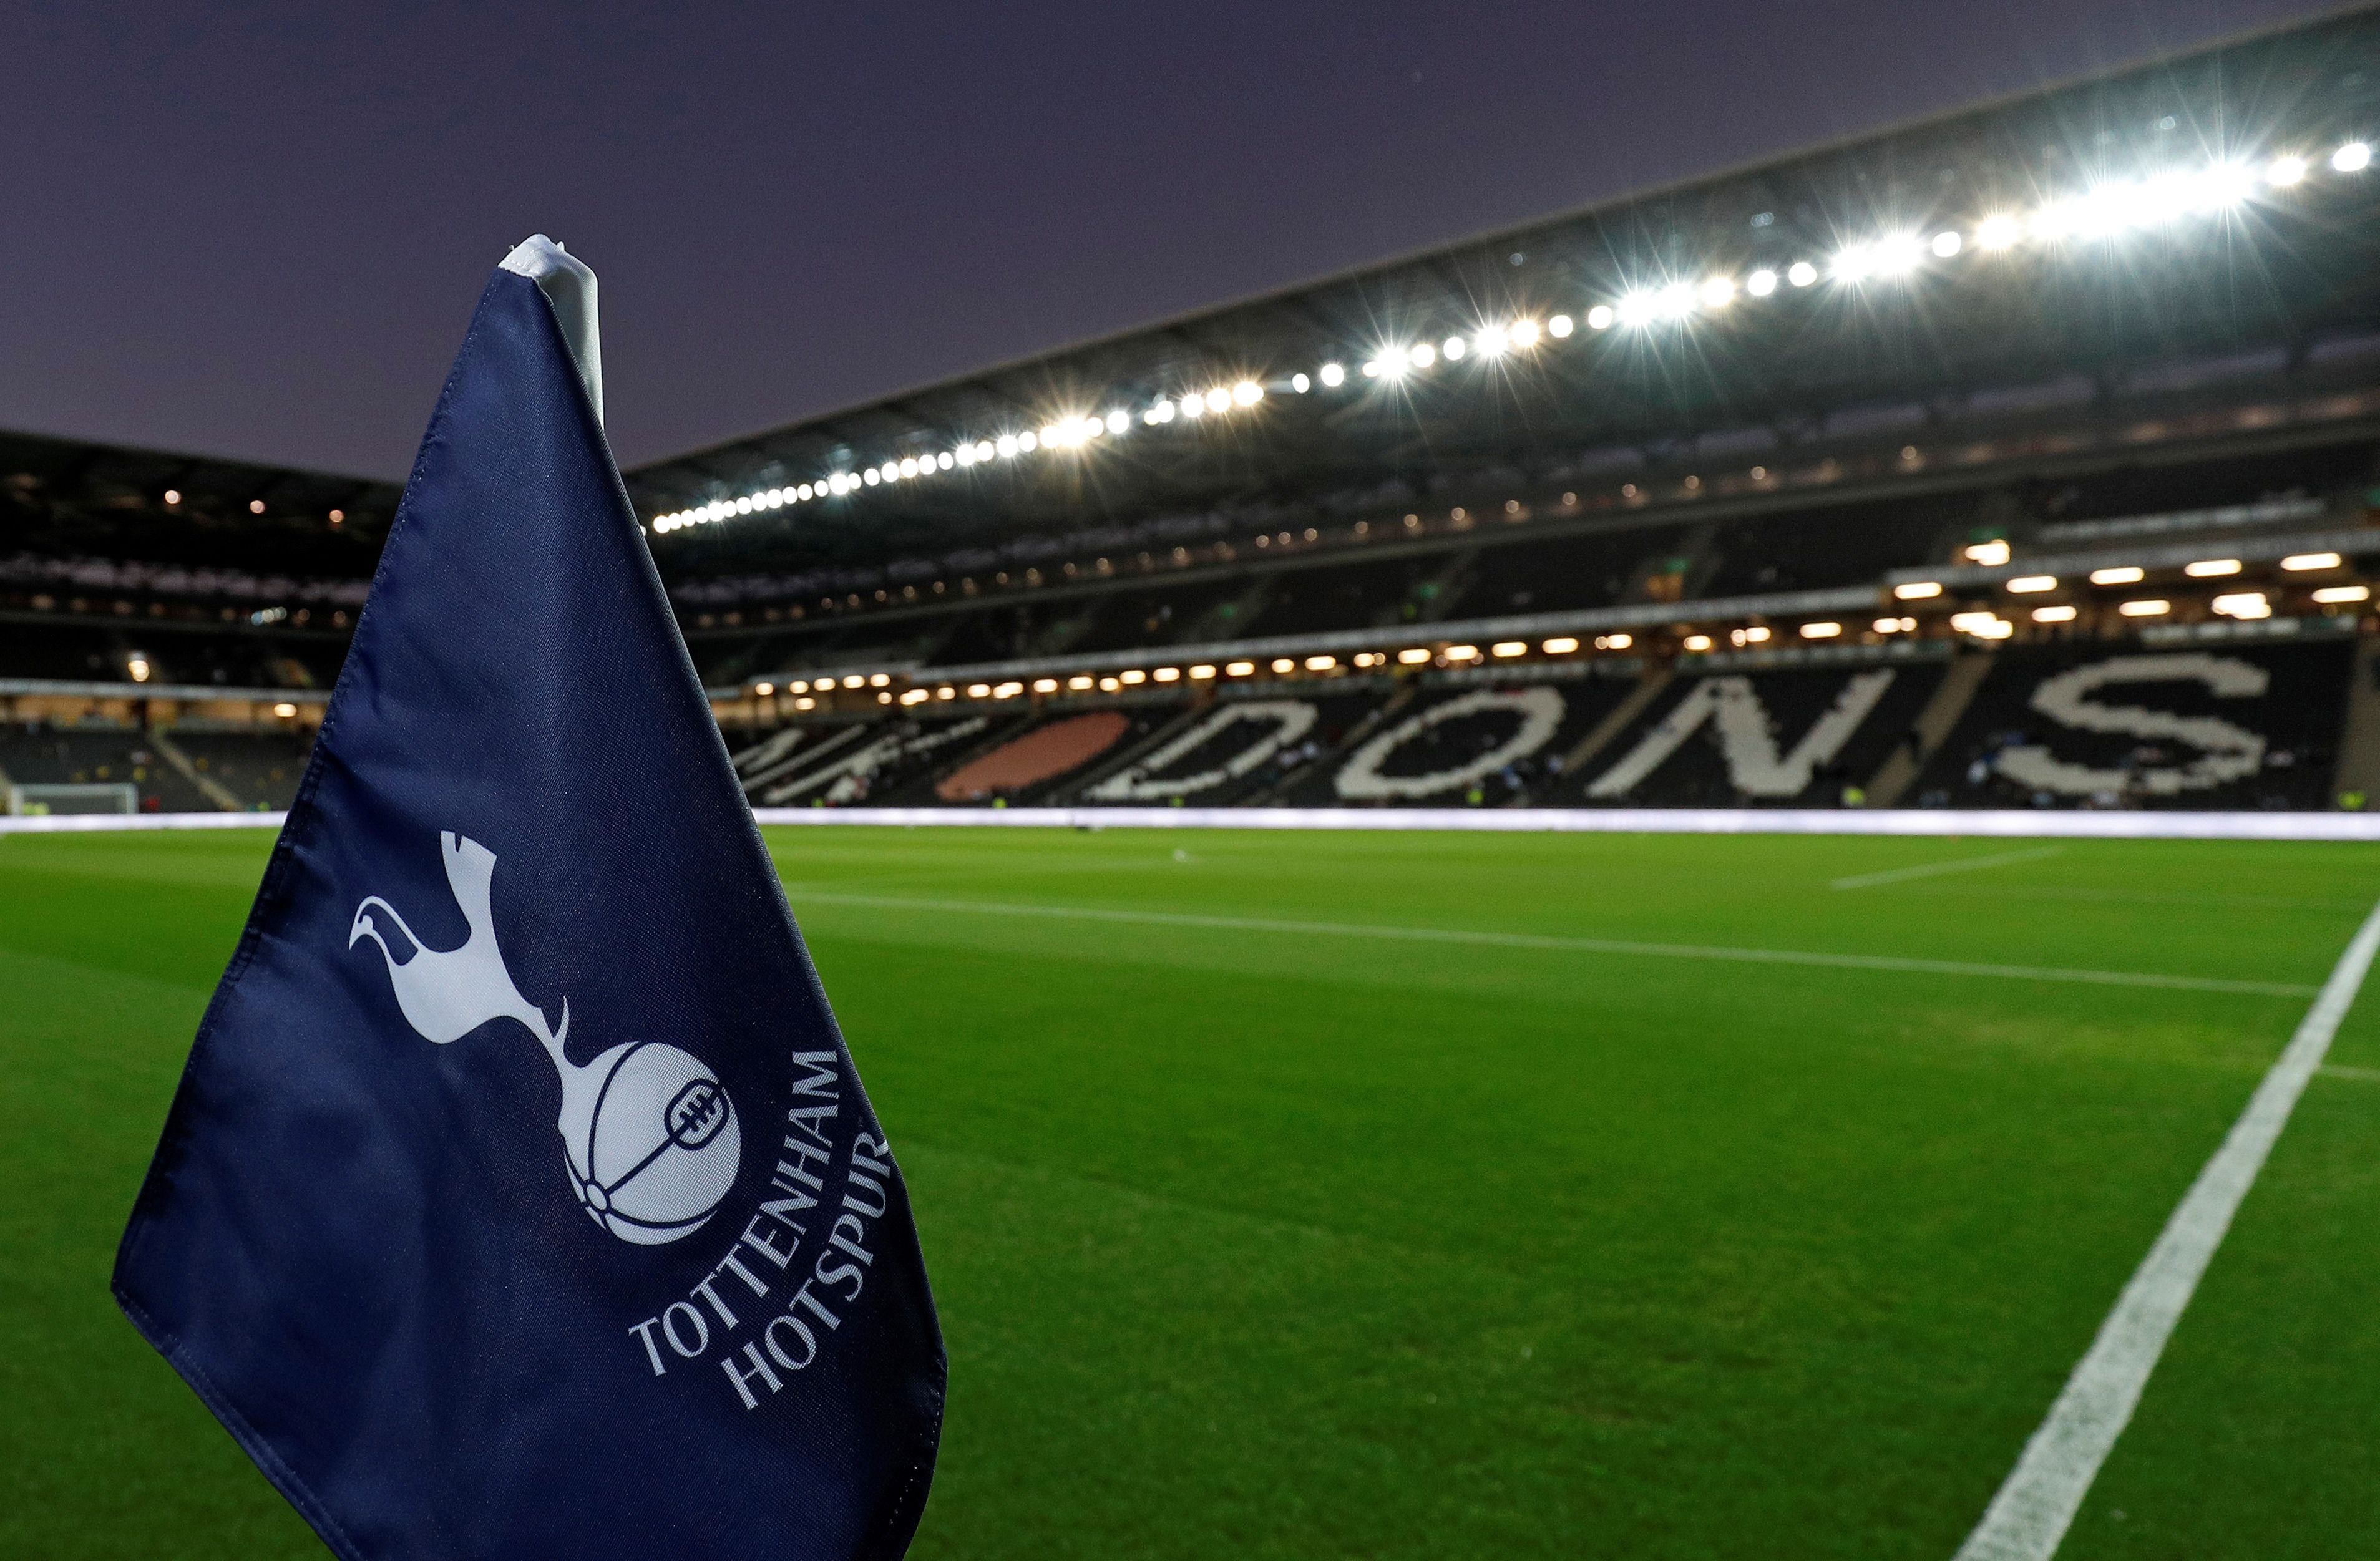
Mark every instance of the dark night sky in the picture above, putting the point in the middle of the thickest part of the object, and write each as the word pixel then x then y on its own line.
pixel 256 230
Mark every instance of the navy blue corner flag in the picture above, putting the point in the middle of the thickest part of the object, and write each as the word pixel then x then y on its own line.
pixel 521 1198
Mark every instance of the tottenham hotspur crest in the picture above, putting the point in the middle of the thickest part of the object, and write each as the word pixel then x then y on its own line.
pixel 647 1132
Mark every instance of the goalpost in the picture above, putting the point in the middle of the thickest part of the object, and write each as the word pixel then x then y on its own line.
pixel 40 800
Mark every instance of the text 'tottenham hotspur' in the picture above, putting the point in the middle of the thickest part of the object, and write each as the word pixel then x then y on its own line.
pixel 759 1277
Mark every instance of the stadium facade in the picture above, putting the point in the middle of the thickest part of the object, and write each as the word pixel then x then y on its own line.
pixel 2022 456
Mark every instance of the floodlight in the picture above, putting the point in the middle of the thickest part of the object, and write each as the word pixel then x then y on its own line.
pixel 1028 443
pixel 2209 568
pixel 2121 574
pixel 1452 348
pixel 2283 172
pixel 1562 646
pixel 1761 283
pixel 1490 340
pixel 2311 560
pixel 2243 604
pixel 1523 333
pixel 2330 595
pixel 2028 585
pixel 2144 608
pixel 1800 273
pixel 1854 264
pixel 1696 643
pixel 2053 614
pixel 1600 317
pixel 1896 255
pixel 2352 158
pixel 1510 647
pixel 1118 421
pixel 1674 302
pixel 1300 384
pixel 1414 658
pixel 1218 399
pixel 1247 393
pixel 1998 230
pixel 1947 243
pixel 1559 326
pixel 1334 375
pixel 1423 355
pixel 1917 591
pixel 1718 292
pixel 1821 630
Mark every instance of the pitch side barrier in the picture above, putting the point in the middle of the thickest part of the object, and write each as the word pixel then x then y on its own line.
pixel 2009 823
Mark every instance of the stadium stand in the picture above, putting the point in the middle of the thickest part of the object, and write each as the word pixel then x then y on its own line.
pixel 1858 511
pixel 2228 725
pixel 42 755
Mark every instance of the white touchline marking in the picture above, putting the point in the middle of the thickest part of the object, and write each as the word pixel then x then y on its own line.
pixel 2341 1071
pixel 2037 1503
pixel 1932 869
pixel 803 895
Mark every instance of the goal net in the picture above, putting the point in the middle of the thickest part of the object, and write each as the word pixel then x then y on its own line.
pixel 37 800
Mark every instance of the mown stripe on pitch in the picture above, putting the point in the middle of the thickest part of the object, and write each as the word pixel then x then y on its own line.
pixel 1551 944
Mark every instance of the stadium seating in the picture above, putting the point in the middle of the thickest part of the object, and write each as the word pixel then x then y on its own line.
pixel 42 756
pixel 2126 725
pixel 1808 736
pixel 1472 742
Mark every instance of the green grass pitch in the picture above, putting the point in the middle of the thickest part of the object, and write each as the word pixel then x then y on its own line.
pixel 1256 1238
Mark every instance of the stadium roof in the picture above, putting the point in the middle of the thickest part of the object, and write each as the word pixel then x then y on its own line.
pixel 61 496
pixel 2214 203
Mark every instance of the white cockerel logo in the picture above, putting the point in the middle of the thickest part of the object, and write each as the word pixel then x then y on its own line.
pixel 649 1134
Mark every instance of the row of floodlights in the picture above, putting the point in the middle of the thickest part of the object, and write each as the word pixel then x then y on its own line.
pixel 1981 623
pixel 2106 211
pixel 1996 553
pixel 802 690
